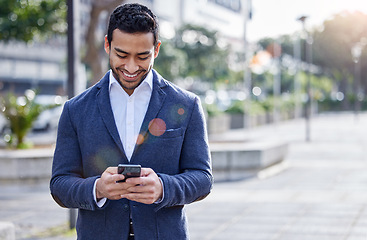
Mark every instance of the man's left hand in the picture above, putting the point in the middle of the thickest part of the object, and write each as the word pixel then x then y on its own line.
pixel 146 189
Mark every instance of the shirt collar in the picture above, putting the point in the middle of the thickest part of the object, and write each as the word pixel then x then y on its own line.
pixel 147 81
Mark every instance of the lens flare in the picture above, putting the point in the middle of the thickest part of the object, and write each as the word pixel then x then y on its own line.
pixel 140 139
pixel 181 111
pixel 157 127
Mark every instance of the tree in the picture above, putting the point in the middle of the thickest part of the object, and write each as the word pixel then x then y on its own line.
pixel 171 61
pixel 94 47
pixel 26 20
pixel 332 48
pixel 205 59
pixel 31 20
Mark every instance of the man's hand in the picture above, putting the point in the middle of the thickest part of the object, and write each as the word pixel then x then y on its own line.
pixel 107 186
pixel 145 189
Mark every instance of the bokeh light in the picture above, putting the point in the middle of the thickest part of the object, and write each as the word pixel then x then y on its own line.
pixel 157 127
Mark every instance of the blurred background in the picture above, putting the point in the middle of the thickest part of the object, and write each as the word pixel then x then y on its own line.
pixel 260 67
pixel 278 59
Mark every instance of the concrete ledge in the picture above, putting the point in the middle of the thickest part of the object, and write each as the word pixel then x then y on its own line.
pixel 231 160
pixel 7 231
pixel 26 164
pixel 239 160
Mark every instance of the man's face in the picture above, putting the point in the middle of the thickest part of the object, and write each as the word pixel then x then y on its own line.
pixel 131 57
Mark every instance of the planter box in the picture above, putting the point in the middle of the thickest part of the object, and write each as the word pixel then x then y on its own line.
pixel 237 121
pixel 239 160
pixel 219 124
pixel 28 164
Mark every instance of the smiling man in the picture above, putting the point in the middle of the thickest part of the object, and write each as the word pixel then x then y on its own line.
pixel 131 116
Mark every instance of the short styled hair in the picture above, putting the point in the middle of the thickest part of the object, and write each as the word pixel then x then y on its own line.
pixel 133 18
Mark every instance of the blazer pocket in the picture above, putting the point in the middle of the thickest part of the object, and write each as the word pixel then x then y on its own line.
pixel 172 133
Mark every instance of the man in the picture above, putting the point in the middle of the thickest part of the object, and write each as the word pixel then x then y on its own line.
pixel 131 116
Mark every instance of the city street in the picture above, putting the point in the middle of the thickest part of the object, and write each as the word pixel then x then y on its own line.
pixel 318 193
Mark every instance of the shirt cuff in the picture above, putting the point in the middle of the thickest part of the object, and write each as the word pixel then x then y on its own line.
pixel 102 201
pixel 161 199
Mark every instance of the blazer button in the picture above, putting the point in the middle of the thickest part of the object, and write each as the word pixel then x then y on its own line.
pixel 125 207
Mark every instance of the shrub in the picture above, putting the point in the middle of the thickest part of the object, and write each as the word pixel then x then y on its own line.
pixel 20 113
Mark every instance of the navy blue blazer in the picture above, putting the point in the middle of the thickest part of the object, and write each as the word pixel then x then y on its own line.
pixel 173 142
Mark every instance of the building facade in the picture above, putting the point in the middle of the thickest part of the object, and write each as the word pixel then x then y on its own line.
pixel 43 66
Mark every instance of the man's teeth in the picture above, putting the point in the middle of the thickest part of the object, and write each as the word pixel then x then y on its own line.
pixel 131 76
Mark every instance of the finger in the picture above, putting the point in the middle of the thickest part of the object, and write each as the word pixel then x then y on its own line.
pixel 140 197
pixel 111 170
pixel 146 171
pixel 118 178
pixel 133 181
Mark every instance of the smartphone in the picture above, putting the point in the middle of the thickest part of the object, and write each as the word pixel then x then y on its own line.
pixel 128 170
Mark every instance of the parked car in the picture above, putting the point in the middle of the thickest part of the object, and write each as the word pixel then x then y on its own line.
pixel 49 119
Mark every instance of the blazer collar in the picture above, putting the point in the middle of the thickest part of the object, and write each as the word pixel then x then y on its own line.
pixel 156 100
pixel 104 105
pixel 155 104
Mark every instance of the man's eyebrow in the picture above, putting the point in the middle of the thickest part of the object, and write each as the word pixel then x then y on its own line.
pixel 122 51
pixel 145 53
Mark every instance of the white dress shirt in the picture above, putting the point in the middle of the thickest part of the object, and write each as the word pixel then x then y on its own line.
pixel 129 111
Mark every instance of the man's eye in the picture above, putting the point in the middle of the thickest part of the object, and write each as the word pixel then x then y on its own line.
pixel 120 56
pixel 143 58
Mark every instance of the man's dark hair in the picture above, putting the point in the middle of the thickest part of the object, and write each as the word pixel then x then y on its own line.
pixel 133 18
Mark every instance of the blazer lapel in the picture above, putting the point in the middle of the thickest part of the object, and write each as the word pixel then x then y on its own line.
pixel 155 104
pixel 104 105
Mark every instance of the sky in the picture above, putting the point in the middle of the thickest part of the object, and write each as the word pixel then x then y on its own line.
pixel 272 18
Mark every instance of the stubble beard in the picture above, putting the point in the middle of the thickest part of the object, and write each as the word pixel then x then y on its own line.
pixel 121 82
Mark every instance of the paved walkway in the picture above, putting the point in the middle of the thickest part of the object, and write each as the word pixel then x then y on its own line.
pixel 321 195
pixel 321 192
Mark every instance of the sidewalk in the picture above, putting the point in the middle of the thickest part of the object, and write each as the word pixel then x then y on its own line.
pixel 321 193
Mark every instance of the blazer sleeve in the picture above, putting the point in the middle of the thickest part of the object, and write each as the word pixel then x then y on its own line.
pixel 68 187
pixel 195 180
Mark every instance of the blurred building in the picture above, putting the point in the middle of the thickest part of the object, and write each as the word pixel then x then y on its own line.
pixel 35 66
pixel 43 66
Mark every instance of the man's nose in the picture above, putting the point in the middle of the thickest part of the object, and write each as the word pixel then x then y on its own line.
pixel 131 66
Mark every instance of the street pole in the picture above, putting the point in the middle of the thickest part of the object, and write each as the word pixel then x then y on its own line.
pixel 73 67
pixel 247 78
pixel 276 80
pixel 296 88
pixel 71 49
pixel 356 53
pixel 307 55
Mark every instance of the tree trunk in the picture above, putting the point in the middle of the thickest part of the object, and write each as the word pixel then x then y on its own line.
pixel 93 57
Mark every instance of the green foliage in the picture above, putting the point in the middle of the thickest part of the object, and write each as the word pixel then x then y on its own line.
pixel 237 107
pixel 21 112
pixel 205 59
pixel 26 20
pixel 171 62
pixel 254 108
pixel 212 110
pixel 332 48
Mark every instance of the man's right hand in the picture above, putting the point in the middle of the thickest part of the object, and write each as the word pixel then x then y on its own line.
pixel 107 186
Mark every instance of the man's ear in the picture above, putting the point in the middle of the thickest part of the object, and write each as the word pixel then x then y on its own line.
pixel 156 49
pixel 106 45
